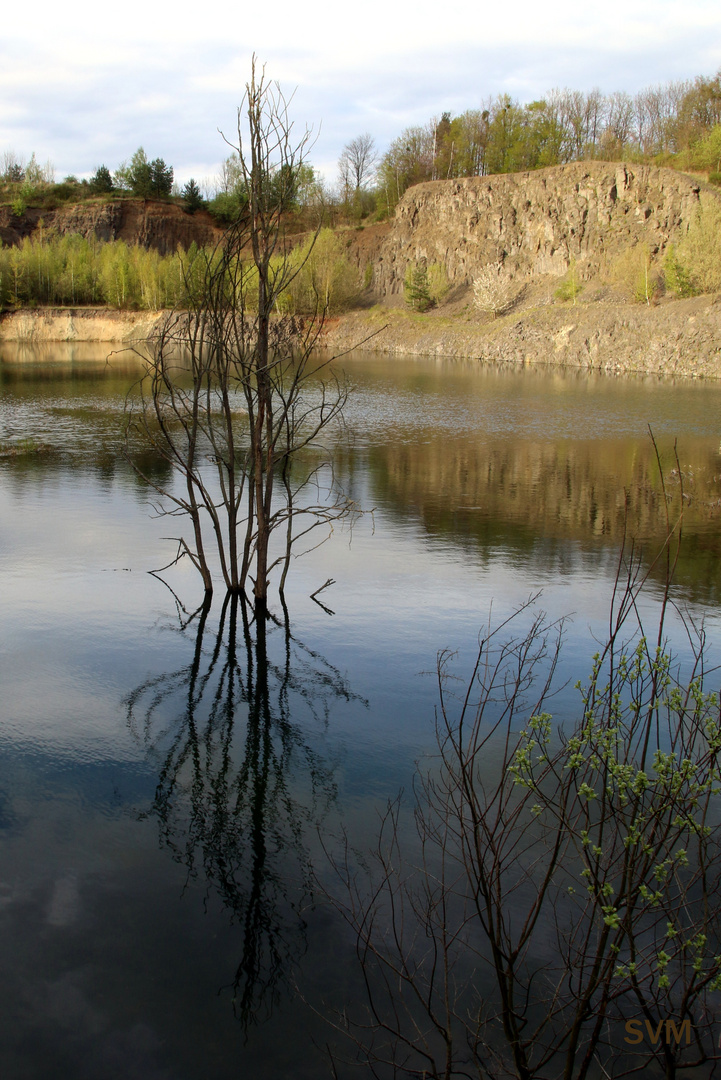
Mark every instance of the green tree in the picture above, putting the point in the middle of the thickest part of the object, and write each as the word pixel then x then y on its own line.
pixel 101 182
pixel 161 179
pixel 416 288
pixel 325 281
pixel 192 197
pixel 148 179
pixel 139 174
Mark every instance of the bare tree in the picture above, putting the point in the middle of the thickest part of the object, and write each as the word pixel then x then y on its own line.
pixel 13 167
pixel 232 397
pixel 356 163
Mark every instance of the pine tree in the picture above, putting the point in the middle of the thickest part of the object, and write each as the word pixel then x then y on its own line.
pixel 193 199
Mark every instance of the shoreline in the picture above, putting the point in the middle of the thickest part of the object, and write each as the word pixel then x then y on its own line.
pixel 677 338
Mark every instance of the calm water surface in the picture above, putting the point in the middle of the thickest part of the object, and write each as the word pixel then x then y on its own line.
pixel 167 779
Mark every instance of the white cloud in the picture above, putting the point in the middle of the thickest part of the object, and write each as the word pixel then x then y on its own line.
pixel 167 79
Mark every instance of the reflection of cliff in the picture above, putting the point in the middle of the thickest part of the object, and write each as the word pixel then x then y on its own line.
pixel 517 493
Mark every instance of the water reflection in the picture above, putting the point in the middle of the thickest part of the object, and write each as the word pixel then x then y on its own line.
pixel 240 783
pixel 518 494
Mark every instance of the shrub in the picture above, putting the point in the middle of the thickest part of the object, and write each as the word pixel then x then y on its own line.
pixel 438 283
pixel 676 276
pixel 696 266
pixel 700 252
pixel 566 893
pixel 494 290
pixel 227 206
pixel 571 285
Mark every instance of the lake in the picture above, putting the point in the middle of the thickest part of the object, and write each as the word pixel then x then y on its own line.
pixel 168 781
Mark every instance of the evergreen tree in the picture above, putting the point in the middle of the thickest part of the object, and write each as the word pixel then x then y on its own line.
pixel 193 199
pixel 416 288
pixel 161 179
pixel 101 182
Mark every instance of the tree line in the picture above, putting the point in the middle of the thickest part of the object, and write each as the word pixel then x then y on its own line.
pixel 677 124
pixel 73 269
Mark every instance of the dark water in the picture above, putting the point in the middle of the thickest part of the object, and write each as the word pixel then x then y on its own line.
pixel 167 779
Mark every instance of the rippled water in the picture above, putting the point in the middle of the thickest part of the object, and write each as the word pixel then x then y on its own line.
pixel 166 778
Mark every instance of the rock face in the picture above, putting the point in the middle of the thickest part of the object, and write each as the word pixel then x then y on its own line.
pixel 152 224
pixel 534 223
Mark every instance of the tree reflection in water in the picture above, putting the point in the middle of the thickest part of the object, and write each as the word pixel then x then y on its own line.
pixel 239 781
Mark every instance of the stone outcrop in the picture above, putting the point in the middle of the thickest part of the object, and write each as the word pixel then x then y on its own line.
pixel 534 223
pixel 148 222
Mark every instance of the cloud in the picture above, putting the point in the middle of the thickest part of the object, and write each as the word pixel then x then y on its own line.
pixel 167 81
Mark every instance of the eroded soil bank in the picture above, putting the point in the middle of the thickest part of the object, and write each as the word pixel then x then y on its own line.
pixel 682 337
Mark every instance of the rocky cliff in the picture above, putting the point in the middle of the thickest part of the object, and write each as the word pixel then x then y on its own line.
pixel 534 223
pixel 153 224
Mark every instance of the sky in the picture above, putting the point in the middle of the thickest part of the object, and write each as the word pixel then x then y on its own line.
pixel 83 84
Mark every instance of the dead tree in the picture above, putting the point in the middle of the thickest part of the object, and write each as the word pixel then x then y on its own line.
pixel 233 398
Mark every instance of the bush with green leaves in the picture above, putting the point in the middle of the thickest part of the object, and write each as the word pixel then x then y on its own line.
pixel 636 271
pixel 563 891
pixel 676 277
pixel 325 280
pixel 227 206
pixel 571 285
pixel 694 266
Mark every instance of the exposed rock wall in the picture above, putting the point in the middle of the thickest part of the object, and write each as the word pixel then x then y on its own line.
pixel 150 223
pixel 535 222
